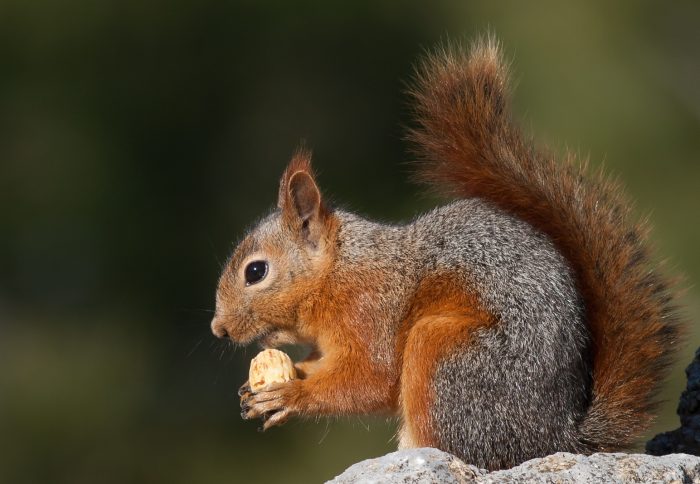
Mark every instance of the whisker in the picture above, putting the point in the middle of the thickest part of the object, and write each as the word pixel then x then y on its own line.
pixel 213 253
pixel 325 433
pixel 361 422
pixel 203 310
pixel 196 345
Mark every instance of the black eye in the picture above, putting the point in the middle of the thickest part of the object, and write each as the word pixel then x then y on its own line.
pixel 255 272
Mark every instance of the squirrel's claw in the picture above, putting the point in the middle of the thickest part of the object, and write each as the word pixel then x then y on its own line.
pixel 277 418
pixel 245 388
pixel 273 405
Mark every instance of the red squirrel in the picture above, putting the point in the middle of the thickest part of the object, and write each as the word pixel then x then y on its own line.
pixel 521 319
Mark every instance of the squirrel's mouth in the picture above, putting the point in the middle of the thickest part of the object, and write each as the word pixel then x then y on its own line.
pixel 276 338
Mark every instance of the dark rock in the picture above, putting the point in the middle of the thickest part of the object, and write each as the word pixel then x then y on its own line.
pixel 685 439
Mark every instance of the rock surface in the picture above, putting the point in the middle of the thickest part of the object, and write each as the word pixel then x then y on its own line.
pixel 622 468
pixel 431 465
pixel 410 466
pixel 685 439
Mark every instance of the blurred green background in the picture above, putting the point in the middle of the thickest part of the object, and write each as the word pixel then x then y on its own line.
pixel 139 139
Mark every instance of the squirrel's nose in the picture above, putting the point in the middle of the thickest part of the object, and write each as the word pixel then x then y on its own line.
pixel 217 327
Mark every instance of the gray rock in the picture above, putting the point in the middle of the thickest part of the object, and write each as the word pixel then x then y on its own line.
pixel 410 466
pixel 614 468
pixel 431 465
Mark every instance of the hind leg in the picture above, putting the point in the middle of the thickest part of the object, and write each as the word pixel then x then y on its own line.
pixel 428 343
pixel 472 392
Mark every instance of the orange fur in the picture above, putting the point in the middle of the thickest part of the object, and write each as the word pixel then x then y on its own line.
pixel 346 380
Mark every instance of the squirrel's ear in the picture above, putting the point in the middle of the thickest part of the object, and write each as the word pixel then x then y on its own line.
pixel 304 196
pixel 300 198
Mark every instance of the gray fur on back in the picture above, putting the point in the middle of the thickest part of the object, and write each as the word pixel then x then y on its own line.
pixel 521 387
pixel 518 389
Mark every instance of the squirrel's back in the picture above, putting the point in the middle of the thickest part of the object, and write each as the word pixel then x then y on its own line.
pixel 515 386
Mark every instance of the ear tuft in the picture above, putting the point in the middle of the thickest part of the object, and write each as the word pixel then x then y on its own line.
pixel 300 162
pixel 300 199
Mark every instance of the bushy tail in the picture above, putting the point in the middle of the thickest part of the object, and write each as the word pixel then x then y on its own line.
pixel 469 147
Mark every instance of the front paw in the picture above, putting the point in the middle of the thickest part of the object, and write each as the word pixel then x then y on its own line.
pixel 274 405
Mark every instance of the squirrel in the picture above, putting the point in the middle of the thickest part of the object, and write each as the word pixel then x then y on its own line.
pixel 524 318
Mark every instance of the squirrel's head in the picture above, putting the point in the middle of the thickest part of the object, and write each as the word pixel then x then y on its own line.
pixel 278 265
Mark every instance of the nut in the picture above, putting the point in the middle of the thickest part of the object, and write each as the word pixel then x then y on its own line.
pixel 268 367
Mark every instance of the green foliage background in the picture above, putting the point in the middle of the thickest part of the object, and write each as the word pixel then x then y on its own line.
pixel 138 139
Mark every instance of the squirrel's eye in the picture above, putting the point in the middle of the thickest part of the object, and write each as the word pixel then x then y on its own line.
pixel 255 272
